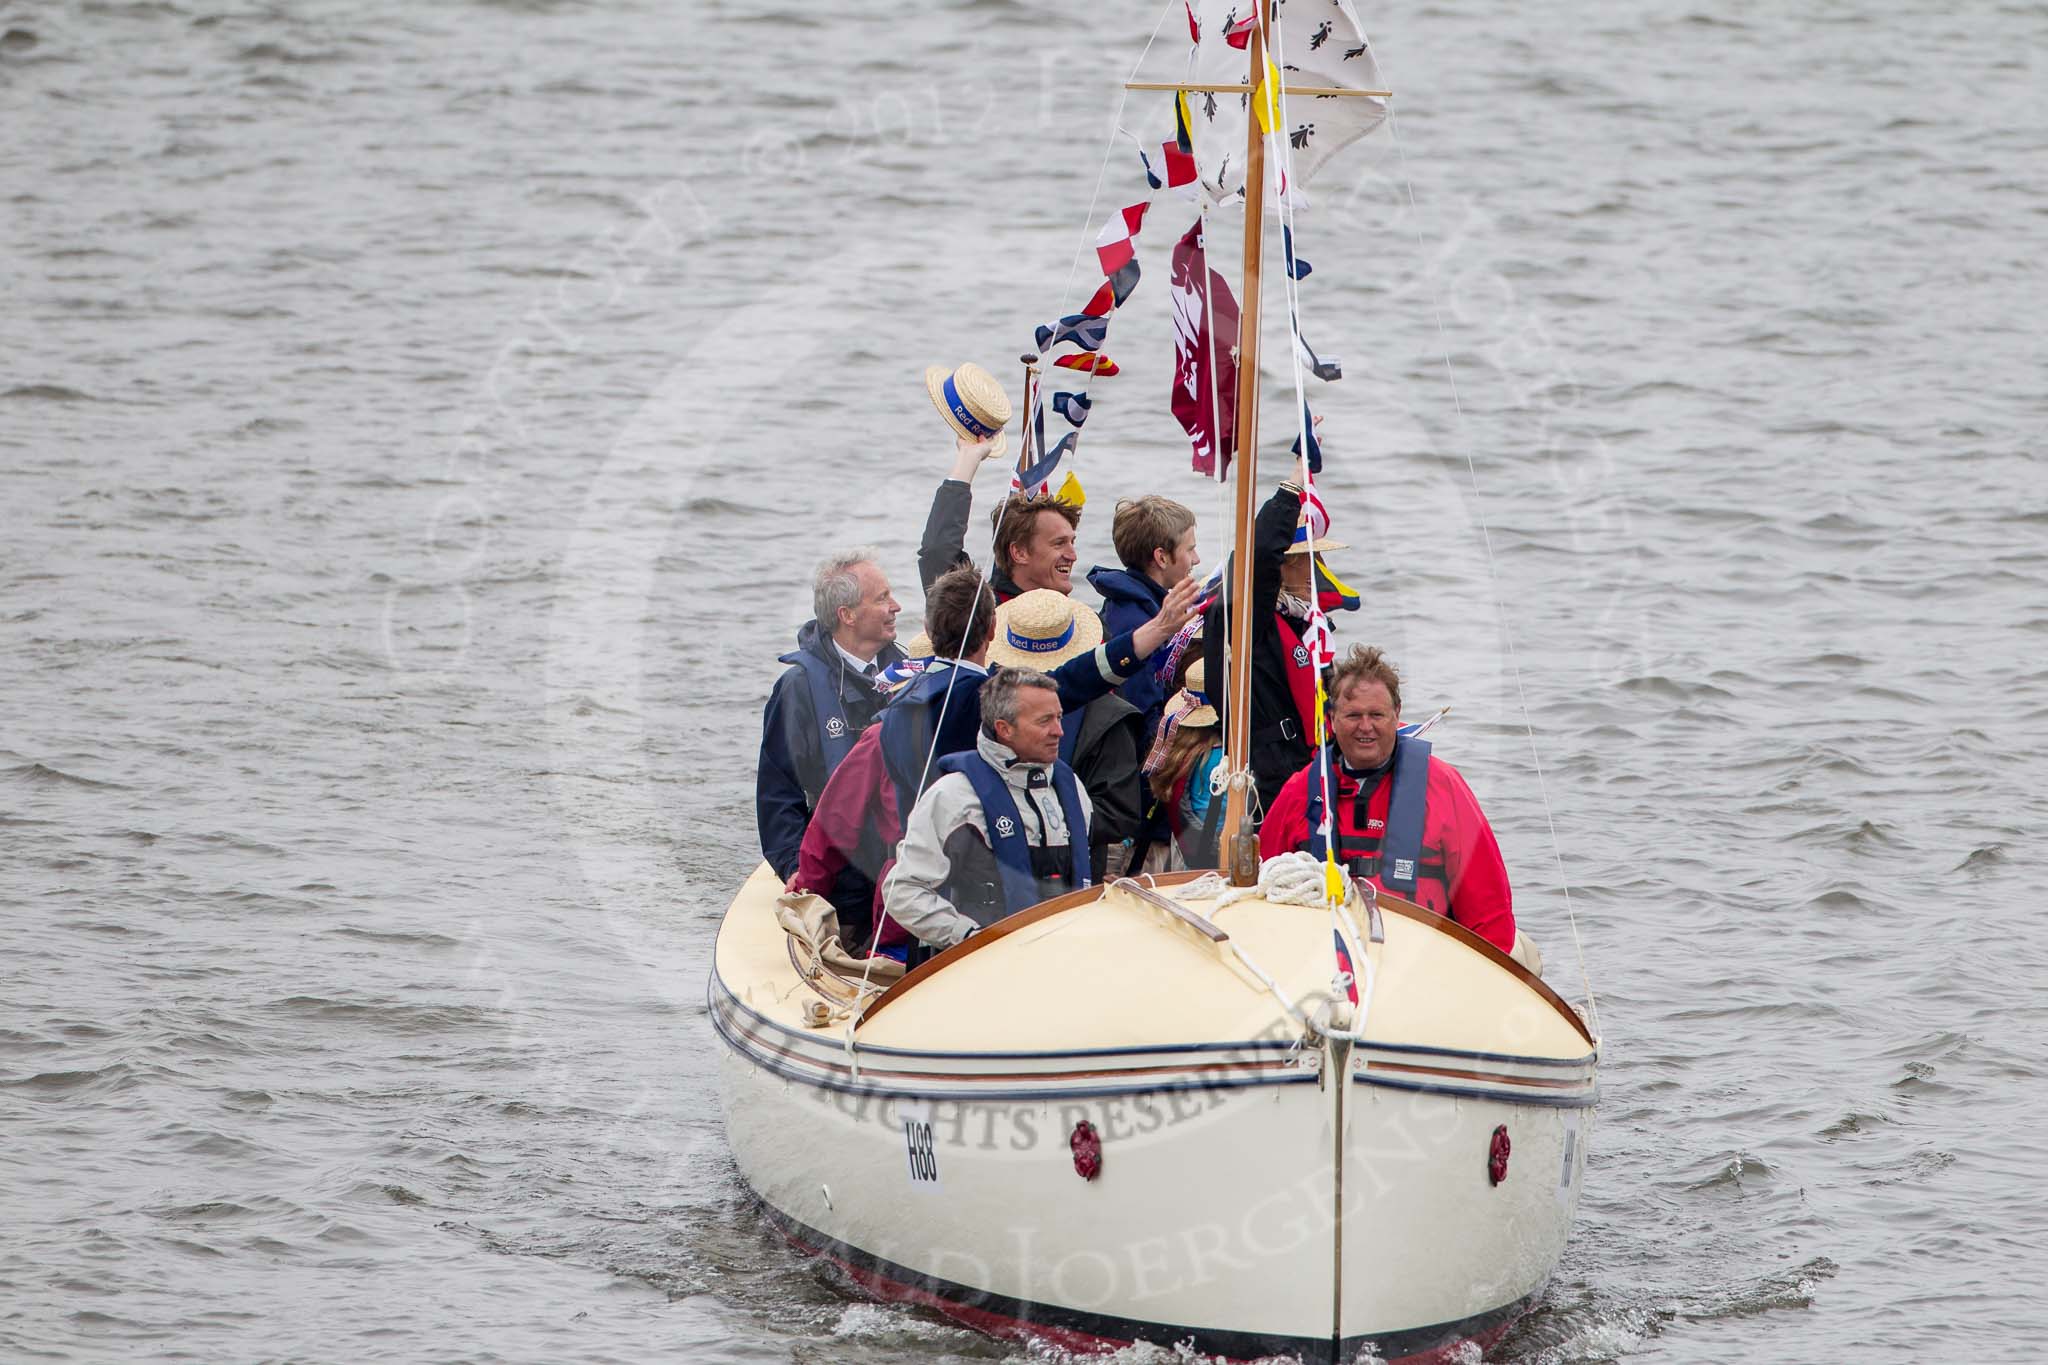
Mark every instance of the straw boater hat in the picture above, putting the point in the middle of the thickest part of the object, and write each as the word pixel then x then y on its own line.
pixel 1042 629
pixel 1205 714
pixel 1302 544
pixel 972 402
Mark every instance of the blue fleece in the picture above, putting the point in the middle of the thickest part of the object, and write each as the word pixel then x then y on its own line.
pixel 1129 600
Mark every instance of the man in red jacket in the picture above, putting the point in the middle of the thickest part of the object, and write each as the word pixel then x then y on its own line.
pixel 1403 820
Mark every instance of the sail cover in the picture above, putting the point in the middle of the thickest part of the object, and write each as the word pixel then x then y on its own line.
pixel 1317 43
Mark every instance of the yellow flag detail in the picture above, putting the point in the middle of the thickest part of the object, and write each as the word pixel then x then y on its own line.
pixel 1266 99
pixel 1333 877
pixel 1323 567
pixel 1071 492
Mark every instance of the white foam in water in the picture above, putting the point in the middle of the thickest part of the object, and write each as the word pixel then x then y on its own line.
pixel 885 1322
pixel 1139 1353
pixel 1605 1338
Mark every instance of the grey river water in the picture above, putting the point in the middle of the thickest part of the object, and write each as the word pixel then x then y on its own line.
pixel 417 424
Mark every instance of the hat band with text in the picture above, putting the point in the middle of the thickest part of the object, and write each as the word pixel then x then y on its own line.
pixel 959 410
pixel 1034 646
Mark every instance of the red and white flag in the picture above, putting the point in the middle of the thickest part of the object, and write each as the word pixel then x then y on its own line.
pixel 1204 363
pixel 1319 637
pixel 1180 165
pixel 1113 245
pixel 1318 514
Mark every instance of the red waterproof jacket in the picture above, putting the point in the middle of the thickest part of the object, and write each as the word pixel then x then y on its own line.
pixel 1461 873
pixel 857 824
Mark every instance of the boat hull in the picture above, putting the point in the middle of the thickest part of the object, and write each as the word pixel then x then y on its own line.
pixel 1216 1218
pixel 1093 1125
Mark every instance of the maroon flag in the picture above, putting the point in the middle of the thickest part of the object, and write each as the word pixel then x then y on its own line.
pixel 1200 295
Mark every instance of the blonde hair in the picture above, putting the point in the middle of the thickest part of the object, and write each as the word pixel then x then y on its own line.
pixel 1145 525
pixel 1185 750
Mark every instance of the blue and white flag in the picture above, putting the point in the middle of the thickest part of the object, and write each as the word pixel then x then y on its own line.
pixel 1084 330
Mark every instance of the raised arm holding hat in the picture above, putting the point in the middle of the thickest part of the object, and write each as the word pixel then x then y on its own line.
pixel 974 407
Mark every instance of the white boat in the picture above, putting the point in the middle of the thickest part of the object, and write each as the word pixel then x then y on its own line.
pixel 1263 1188
pixel 1171 1110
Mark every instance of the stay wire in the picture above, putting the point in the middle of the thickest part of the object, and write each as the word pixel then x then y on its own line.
pixel 1493 584
pixel 1284 194
pixel 987 579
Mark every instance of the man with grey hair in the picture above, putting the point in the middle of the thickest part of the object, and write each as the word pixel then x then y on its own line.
pixel 1004 827
pixel 819 707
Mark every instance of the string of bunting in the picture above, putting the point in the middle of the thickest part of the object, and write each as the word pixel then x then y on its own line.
pixel 1086 332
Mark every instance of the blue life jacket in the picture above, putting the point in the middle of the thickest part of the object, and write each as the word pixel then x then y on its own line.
pixel 1022 883
pixel 913 714
pixel 908 722
pixel 1397 850
pixel 835 733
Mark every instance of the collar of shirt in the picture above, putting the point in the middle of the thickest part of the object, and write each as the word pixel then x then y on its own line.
pixel 1363 775
pixel 862 666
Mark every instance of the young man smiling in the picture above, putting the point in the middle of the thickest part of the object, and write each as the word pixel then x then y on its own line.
pixel 1035 537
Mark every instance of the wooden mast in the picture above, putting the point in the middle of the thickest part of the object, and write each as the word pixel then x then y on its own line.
pixel 1239 848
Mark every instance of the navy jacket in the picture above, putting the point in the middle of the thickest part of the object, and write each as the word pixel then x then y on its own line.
pixel 1129 600
pixel 1108 756
pixel 793 768
pixel 1279 749
pixel 923 723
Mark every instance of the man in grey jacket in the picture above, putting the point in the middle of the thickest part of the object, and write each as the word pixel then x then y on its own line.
pixel 1003 828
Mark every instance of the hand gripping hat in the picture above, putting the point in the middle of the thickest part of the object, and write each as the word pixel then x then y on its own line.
pixel 1042 629
pixel 972 402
